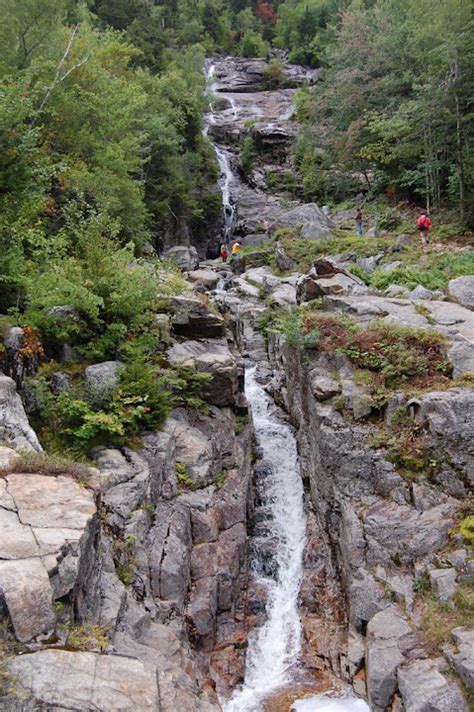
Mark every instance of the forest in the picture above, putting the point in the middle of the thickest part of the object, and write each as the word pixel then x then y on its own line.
pixel 103 156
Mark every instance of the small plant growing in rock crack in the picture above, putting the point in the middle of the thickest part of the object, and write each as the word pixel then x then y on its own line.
pixel 88 637
pixel 220 479
pixel 421 584
pixel 131 539
pixel 241 421
pixel 291 325
pixel 184 480
pixel 148 507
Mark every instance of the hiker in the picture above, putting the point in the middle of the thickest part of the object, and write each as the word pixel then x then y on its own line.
pixel 423 224
pixel 267 226
pixel 325 210
pixel 224 252
pixel 358 219
pixel 236 247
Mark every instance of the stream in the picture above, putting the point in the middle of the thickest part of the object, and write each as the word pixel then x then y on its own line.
pixel 274 648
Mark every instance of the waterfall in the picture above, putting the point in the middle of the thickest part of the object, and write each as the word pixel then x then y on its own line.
pixel 274 648
pixel 223 159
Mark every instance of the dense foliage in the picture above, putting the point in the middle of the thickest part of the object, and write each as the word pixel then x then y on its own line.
pixel 395 106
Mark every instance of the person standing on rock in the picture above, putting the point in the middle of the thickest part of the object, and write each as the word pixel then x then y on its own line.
pixel 424 224
pixel 267 226
pixel 236 247
pixel 325 210
pixel 224 252
pixel 359 222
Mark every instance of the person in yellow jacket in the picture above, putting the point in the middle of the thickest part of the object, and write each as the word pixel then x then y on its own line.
pixel 236 247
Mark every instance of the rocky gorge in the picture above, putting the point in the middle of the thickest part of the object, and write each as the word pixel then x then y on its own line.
pixel 148 581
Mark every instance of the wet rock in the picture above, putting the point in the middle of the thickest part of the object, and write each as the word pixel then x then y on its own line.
pixel 205 277
pixel 462 290
pixel 193 318
pixel 462 657
pixel 15 430
pixel 61 679
pixel 386 634
pixel 102 379
pixel 424 688
pixel 185 258
pixel 211 357
pixel 443 582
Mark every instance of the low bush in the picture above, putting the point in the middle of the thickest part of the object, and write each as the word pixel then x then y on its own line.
pixel 88 637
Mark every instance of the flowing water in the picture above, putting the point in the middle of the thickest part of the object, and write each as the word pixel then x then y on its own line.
pixel 223 159
pixel 322 703
pixel 274 648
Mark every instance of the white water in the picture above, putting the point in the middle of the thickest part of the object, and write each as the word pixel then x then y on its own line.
pixel 274 648
pixel 223 160
pixel 321 703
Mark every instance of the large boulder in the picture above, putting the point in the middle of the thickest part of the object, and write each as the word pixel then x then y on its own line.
pixel 102 379
pixel 64 680
pixel 424 687
pixel 193 318
pixel 205 277
pixel 15 430
pixel 184 257
pixel 462 290
pixel 311 221
pixel 313 286
pixel 46 530
pixel 214 358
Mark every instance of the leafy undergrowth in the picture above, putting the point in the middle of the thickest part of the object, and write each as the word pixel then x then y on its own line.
pixel 74 420
pixel 432 271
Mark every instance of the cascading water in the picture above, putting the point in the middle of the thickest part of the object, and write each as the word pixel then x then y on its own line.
pixel 274 648
pixel 223 159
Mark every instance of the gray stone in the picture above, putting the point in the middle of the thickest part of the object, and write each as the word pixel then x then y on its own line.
pixel 369 264
pixel 322 386
pixel 385 634
pixel 391 266
pixel 314 225
pixel 27 593
pixel 424 687
pixel 396 290
pixel 60 680
pixel 461 356
pixel 462 290
pixel 283 296
pixel 201 613
pixel 421 292
pixel 463 657
pixel 102 379
pixel 206 277
pixel 15 430
pixel 184 257
pixel 283 261
pixel 8 457
pixel 443 582
pixel 193 318
pixel 213 358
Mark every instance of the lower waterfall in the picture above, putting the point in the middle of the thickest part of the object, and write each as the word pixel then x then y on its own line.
pixel 274 647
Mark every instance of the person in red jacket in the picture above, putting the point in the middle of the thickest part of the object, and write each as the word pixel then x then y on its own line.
pixel 424 224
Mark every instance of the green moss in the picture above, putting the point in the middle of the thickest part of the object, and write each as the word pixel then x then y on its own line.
pixel 241 422
pixel 466 528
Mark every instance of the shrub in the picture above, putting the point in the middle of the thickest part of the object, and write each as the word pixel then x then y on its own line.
pixel 274 75
pixel 292 326
pixel 183 478
pixel 253 45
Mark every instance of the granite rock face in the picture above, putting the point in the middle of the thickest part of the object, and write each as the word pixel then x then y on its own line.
pixel 47 529
pixel 15 430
